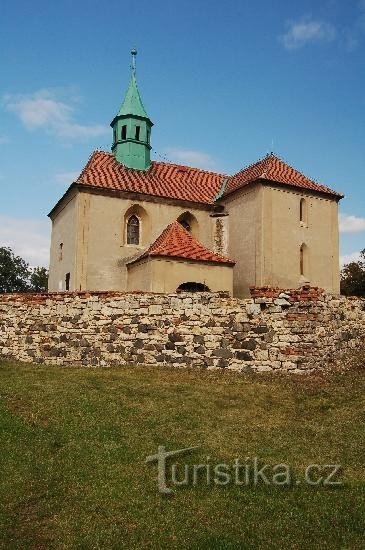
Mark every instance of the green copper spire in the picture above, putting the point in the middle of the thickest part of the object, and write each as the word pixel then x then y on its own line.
pixel 132 104
pixel 132 127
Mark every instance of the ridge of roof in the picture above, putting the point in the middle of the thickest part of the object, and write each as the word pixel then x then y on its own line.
pixel 163 162
pixel 162 179
pixel 190 184
pixel 176 242
pixel 273 168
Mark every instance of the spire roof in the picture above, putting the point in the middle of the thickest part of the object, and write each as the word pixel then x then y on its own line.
pixel 132 104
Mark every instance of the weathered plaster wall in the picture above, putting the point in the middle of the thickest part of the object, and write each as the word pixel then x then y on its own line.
pixel 245 238
pixel 104 251
pixel 64 231
pixel 284 233
pixel 265 235
pixel 272 331
pixel 166 275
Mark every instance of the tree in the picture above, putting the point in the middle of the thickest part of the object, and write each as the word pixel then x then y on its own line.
pixel 39 279
pixel 353 277
pixel 14 272
pixel 17 276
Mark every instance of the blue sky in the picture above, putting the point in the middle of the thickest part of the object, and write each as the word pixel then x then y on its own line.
pixel 224 83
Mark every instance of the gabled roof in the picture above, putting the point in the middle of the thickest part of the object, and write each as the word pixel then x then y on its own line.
pixel 176 242
pixel 273 169
pixel 183 183
pixel 132 104
pixel 160 180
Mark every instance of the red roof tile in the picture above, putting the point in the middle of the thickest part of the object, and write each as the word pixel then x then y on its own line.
pixel 161 180
pixel 189 184
pixel 176 242
pixel 273 169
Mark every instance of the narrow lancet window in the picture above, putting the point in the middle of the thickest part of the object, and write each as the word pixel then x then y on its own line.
pixel 303 261
pixel 124 132
pixel 133 230
pixel 303 211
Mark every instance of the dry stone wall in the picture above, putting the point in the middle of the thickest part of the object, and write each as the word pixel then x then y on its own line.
pixel 292 331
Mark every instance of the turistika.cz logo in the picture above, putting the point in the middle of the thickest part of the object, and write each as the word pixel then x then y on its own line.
pixel 248 473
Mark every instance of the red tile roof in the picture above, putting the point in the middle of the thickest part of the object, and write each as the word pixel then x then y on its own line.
pixel 161 180
pixel 274 169
pixel 189 184
pixel 176 242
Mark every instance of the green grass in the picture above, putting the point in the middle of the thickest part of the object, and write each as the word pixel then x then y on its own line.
pixel 74 442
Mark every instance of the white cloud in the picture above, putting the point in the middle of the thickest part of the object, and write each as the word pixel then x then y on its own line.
pixel 348 258
pixel 43 109
pixel 351 224
pixel 307 30
pixel 196 159
pixel 28 238
pixel 66 178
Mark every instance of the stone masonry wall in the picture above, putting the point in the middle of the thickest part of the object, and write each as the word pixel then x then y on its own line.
pixel 273 331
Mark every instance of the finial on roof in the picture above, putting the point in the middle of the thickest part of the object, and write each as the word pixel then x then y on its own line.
pixel 134 55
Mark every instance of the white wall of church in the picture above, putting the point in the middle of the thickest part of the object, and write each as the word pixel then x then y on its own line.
pixel 104 251
pixel 285 234
pixel 63 247
pixel 245 238
pixel 166 275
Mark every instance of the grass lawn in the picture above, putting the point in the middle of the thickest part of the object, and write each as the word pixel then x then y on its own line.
pixel 74 443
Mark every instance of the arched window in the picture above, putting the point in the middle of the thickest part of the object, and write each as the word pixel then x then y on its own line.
pixel 189 222
pixel 133 230
pixel 303 211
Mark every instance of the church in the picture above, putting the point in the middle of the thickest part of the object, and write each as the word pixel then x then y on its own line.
pixel 131 224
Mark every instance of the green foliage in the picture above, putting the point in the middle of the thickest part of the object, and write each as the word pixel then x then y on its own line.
pixel 14 272
pixel 39 279
pixel 353 278
pixel 17 276
pixel 74 441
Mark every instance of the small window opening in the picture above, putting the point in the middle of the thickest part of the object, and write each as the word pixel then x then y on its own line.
pixel 67 281
pixel 60 252
pixel 124 132
pixel 133 230
pixel 302 260
pixel 138 131
pixel 148 136
pixel 302 211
